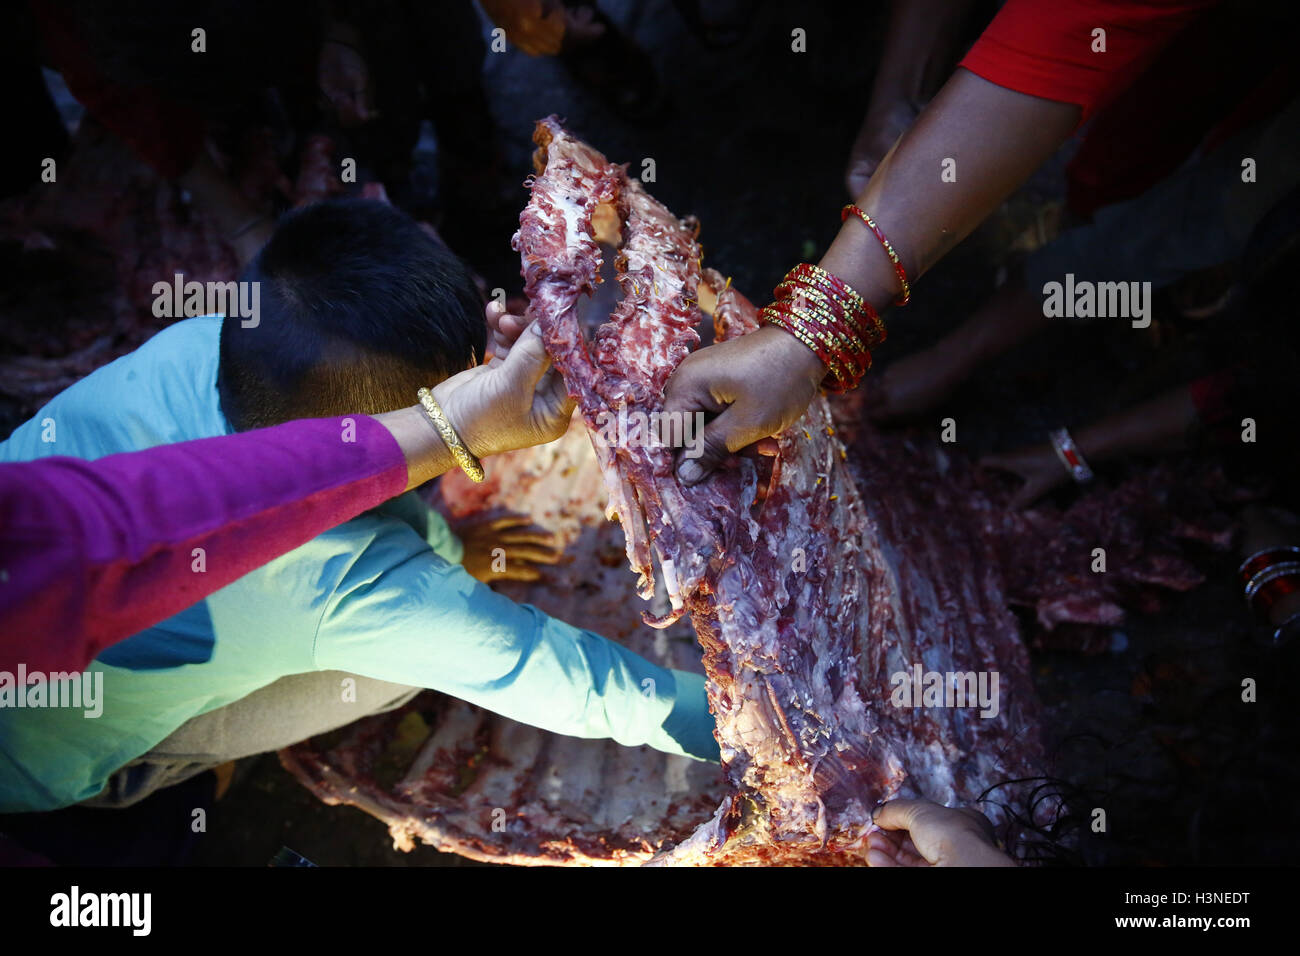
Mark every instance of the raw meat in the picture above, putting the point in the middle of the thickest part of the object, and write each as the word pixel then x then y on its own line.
pixel 803 615
pixel 1048 555
pixel 1156 523
pixel 469 781
pixel 932 549
pixel 806 597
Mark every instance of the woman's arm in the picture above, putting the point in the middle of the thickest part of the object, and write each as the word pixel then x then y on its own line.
pixel 1156 426
pixel 1035 73
pixel 92 552
pixel 996 137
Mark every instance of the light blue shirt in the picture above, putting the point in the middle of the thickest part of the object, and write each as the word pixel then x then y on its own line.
pixel 382 595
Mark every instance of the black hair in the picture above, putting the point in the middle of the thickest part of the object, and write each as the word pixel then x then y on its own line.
pixel 358 308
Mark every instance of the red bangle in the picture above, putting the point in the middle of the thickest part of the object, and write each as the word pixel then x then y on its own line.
pixel 836 379
pixel 863 316
pixel 897 263
pixel 830 318
pixel 1262 559
pixel 818 280
pixel 1268 576
pixel 846 361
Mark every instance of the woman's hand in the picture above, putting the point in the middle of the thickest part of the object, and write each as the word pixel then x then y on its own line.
pixel 510 402
pixel 927 834
pixel 757 385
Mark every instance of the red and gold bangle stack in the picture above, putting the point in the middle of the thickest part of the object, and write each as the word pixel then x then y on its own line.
pixel 825 314
pixel 906 294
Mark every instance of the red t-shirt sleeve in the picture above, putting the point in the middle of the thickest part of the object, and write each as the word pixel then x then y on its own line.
pixel 1045 47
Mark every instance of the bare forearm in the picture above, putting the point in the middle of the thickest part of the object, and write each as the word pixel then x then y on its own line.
pixel 426 455
pixel 1158 425
pixel 1013 315
pixel 994 139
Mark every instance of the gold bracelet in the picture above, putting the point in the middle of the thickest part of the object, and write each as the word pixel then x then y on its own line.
pixel 472 467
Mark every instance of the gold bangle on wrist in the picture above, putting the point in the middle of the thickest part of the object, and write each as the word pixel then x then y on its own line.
pixel 472 467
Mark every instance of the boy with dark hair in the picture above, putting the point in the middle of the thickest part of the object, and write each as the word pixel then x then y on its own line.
pixel 358 308
pixel 356 302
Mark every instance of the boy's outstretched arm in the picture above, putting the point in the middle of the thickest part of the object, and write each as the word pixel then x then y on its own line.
pixel 402 614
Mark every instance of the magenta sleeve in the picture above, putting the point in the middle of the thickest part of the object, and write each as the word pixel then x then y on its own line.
pixel 92 552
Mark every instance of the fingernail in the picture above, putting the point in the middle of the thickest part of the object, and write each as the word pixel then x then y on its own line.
pixel 535 328
pixel 690 471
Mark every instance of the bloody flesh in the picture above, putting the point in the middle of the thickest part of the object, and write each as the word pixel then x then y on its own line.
pixel 805 595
